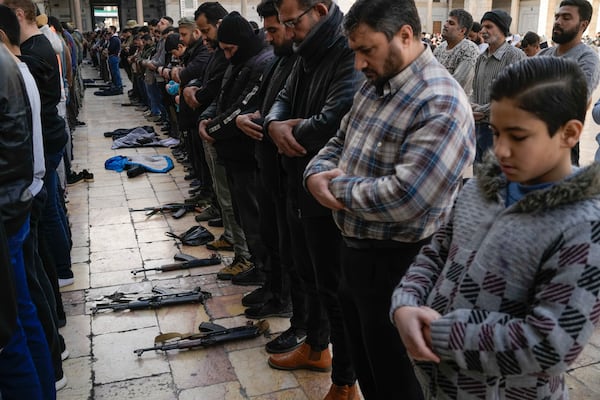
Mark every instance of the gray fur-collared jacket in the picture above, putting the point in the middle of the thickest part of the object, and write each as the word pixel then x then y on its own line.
pixel 517 287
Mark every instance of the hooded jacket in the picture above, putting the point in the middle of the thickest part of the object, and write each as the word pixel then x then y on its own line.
pixel 518 288
pixel 239 89
pixel 320 90
pixel 16 154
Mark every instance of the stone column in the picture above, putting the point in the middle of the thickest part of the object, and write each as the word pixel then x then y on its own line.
pixel 477 8
pixel 593 28
pixel 139 10
pixel 515 8
pixel 429 23
pixel 76 7
pixel 244 8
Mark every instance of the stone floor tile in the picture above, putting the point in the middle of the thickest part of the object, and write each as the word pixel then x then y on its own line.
pixel 158 387
pixel 201 367
pixel 81 273
pixel 115 260
pixel 221 391
pixel 159 249
pixel 112 237
pixel 80 254
pixel 109 216
pixel 106 322
pixel 114 358
pixel 258 378
pixel 104 279
pixel 77 336
pixel 78 371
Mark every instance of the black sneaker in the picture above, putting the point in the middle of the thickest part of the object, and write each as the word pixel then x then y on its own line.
pixel 87 176
pixel 216 222
pixel 257 297
pixel 286 341
pixel 252 277
pixel 74 178
pixel 271 308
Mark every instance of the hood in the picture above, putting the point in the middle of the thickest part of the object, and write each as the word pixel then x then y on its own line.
pixel 583 185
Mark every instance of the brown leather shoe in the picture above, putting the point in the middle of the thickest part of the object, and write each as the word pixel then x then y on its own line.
pixel 302 358
pixel 342 392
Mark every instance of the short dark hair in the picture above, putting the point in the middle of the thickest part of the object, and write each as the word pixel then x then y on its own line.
pixel 552 88
pixel 212 10
pixel 168 19
pixel 385 16
pixel 267 8
pixel 10 25
pixel 307 3
pixel 153 22
pixel 530 39
pixel 476 27
pixel 464 18
pixel 584 7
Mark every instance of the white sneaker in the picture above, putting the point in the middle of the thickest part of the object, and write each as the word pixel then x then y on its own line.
pixel 61 383
pixel 64 355
pixel 65 282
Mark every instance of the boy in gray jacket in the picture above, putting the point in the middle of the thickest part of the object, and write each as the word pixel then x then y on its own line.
pixel 506 296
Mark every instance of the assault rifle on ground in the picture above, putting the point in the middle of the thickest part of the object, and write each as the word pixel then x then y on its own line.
pixel 210 335
pixel 177 210
pixel 120 301
pixel 214 259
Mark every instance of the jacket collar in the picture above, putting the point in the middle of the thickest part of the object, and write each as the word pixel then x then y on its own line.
pixel 321 37
pixel 583 185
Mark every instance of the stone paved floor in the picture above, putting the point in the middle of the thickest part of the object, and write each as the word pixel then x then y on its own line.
pixel 109 241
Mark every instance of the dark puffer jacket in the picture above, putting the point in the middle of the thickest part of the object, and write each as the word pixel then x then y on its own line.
pixel 16 146
pixel 320 89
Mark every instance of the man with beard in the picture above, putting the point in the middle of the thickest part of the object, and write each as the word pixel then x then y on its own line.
pixel 457 53
pixel 570 21
pixel 274 298
pixel 248 56
pixel 306 113
pixel 495 27
pixel 390 175
pixel 208 17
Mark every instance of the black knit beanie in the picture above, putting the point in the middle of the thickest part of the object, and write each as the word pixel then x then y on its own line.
pixel 234 29
pixel 500 18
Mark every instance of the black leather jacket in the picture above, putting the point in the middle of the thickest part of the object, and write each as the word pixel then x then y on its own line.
pixel 16 145
pixel 195 61
pixel 320 90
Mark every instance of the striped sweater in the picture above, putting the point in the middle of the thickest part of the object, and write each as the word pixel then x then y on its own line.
pixel 518 288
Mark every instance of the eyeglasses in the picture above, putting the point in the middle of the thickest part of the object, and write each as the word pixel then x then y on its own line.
pixel 291 23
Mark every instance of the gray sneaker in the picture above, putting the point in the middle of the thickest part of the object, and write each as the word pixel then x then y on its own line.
pixel 208 213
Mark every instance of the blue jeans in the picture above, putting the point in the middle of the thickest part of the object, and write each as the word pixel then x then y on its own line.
pixel 15 370
pixel 115 73
pixel 53 223
pixel 484 140
pixel 155 98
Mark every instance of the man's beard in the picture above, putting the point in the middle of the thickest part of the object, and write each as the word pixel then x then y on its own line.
pixel 285 49
pixel 564 36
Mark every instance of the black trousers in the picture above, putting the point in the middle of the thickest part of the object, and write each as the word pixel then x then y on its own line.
pixel 369 276
pixel 319 238
pixel 40 288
